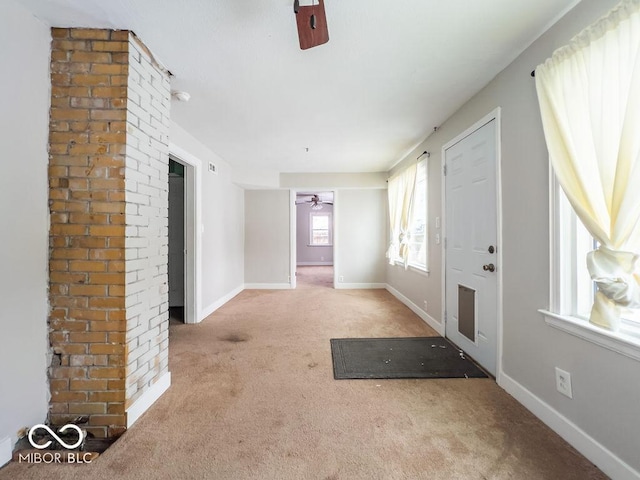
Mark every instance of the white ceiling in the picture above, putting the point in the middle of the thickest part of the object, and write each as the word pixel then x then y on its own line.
pixel 392 70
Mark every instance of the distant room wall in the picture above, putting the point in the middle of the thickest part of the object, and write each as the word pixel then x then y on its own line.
pixel 305 253
pixel 267 256
pixel 361 236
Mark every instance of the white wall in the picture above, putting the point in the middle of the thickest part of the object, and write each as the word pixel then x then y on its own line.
pixel 306 254
pixel 606 385
pixel 267 238
pixel 360 237
pixel 419 287
pixel 24 127
pixel 221 211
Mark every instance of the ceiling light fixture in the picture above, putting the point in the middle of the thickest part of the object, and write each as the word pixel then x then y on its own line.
pixel 180 96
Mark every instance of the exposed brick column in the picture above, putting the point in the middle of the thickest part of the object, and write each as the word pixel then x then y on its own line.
pixel 89 75
pixel 108 184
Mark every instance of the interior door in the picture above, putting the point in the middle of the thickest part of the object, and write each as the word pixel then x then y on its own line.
pixel 471 235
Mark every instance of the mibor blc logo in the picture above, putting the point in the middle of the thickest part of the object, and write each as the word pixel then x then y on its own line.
pixel 56 456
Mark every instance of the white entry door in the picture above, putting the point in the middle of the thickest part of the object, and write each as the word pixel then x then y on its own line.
pixel 471 244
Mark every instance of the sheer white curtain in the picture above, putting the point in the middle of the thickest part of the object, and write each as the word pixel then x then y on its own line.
pixel 401 190
pixel 589 95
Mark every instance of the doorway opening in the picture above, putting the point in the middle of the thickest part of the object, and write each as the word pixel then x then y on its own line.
pixel 177 258
pixel 314 235
pixel 181 267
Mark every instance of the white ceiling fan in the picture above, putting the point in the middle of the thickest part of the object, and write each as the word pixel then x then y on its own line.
pixel 315 200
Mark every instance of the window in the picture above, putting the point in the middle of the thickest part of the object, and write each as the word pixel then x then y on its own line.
pixel 586 91
pixel 320 229
pixel 572 290
pixel 418 225
pixel 417 228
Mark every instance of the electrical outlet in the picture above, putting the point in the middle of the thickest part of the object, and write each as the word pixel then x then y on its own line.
pixel 563 382
pixel 341 279
pixel 426 306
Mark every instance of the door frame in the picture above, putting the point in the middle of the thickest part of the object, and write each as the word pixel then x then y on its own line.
pixel 293 233
pixel 192 244
pixel 493 115
pixel 293 238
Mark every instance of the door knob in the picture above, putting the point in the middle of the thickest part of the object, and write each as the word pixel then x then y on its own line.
pixel 489 268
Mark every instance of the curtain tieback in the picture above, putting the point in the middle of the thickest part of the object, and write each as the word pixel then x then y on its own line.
pixel 617 275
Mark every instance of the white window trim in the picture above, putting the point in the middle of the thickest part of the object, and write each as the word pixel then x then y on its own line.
pixel 421 269
pixel 311 215
pixel 622 342
pixel 618 342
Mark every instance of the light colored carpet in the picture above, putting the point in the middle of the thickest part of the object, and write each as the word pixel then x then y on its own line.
pixel 253 397
pixel 314 276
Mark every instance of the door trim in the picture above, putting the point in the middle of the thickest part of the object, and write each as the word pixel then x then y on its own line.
pixel 493 115
pixel 293 238
pixel 193 221
pixel 293 233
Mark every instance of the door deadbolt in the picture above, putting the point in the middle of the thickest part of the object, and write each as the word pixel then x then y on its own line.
pixel 489 268
pixel 492 249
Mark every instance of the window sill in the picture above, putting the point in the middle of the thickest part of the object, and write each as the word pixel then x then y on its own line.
pixel 419 270
pixel 618 342
pixel 327 245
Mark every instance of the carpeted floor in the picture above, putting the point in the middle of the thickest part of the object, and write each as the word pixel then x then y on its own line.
pixel 314 276
pixel 253 397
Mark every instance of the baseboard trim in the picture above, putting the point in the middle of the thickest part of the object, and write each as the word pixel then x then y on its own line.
pixel 220 302
pixel 597 453
pixel 148 398
pixel 267 286
pixel 6 451
pixel 358 286
pixel 428 319
pixel 314 264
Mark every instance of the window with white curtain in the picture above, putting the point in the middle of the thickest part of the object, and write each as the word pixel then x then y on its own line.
pixel 418 225
pixel 573 289
pixel 589 95
pixel 416 236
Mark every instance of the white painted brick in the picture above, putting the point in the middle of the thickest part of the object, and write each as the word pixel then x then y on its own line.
pixel 135 154
pixel 134 333
pixel 136 242
pixel 153 352
pixel 137 352
pixel 135 311
pixel 134 197
pixel 146 179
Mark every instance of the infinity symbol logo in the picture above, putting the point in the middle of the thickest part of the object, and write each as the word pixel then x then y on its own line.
pixel 52 433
